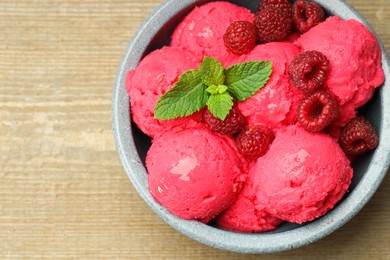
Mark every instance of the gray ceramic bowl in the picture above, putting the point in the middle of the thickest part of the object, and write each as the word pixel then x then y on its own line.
pixel 132 144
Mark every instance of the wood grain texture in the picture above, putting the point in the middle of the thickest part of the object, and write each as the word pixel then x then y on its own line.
pixel 63 192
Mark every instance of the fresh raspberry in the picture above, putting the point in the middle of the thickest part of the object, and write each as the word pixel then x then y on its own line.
pixel 306 15
pixel 232 124
pixel 317 110
pixel 272 24
pixel 254 141
pixel 309 70
pixel 240 37
pixel 280 4
pixel 358 136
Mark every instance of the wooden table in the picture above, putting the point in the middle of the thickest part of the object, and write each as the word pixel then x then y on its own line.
pixel 63 191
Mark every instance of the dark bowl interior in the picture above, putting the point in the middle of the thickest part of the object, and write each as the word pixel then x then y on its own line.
pixel 132 145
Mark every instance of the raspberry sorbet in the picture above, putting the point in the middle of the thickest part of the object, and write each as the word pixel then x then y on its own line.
pixel 195 173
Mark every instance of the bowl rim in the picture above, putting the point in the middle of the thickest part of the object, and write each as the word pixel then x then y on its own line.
pixel 228 240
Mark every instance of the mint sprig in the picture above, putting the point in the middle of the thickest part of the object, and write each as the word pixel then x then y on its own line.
pixel 212 86
pixel 187 96
pixel 212 72
pixel 243 80
pixel 220 104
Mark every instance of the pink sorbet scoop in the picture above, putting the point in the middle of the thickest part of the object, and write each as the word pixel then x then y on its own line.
pixel 195 173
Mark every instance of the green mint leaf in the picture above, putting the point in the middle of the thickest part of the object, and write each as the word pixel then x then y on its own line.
pixel 187 96
pixel 220 104
pixel 212 72
pixel 245 79
pixel 216 89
